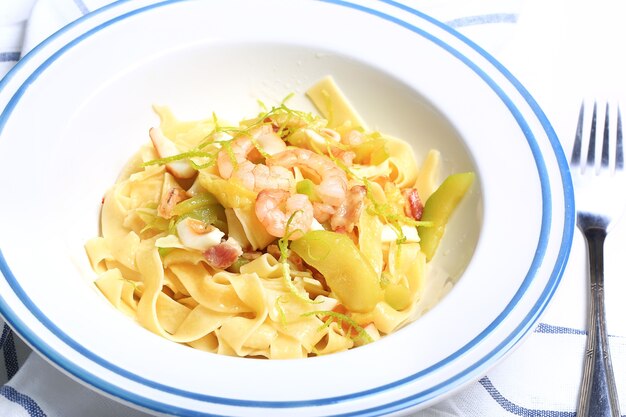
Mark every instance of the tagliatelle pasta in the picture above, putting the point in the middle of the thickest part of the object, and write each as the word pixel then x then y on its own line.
pixel 285 236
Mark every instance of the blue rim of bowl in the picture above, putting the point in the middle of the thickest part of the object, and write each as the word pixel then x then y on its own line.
pixel 409 401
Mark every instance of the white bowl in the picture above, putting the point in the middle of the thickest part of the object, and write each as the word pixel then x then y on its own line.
pixel 79 105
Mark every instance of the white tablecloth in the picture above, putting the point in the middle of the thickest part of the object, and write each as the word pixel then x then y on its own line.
pixel 562 51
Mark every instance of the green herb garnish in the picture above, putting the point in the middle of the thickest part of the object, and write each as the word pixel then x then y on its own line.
pixel 332 316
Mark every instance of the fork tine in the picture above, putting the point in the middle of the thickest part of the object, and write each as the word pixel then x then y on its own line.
pixel 591 151
pixel 604 161
pixel 578 140
pixel 619 150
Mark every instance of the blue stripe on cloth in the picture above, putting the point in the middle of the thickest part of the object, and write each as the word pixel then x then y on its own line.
pixel 10 356
pixel 482 19
pixel 9 56
pixel 551 329
pixel 25 401
pixel 81 6
pixel 5 333
pixel 519 410
pixel 7 346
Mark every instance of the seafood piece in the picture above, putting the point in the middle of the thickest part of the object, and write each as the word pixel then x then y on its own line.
pixel 257 177
pixel 169 199
pixel 346 157
pixel 196 234
pixel 165 148
pixel 333 182
pixel 239 162
pixel 274 209
pixel 348 213
pixel 322 211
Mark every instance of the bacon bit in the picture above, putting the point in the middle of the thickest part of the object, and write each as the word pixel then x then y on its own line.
pixel 295 260
pixel 298 263
pixel 103 198
pixel 172 197
pixel 274 251
pixel 250 256
pixel 413 206
pixel 318 276
pixel 223 255
pixel 275 126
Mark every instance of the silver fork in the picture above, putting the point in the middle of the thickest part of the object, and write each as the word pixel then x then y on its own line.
pixel 600 200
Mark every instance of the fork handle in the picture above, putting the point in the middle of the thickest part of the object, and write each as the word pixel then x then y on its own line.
pixel 598 395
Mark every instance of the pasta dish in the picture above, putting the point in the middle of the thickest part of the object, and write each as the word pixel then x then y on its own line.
pixel 287 235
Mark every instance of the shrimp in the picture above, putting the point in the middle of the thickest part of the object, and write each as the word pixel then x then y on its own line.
pixel 352 138
pixel 254 176
pixel 348 213
pixel 257 177
pixel 274 208
pixel 333 182
pixel 346 157
pixel 322 211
